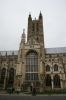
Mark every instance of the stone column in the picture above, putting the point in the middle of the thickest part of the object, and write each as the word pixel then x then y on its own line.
pixel 62 84
pixel 4 84
pixel 61 81
pixel 52 82
pixel 41 87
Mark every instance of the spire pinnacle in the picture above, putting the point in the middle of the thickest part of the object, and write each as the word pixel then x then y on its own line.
pixel 40 15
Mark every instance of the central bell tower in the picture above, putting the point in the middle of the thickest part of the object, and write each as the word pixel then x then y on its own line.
pixel 31 55
pixel 35 29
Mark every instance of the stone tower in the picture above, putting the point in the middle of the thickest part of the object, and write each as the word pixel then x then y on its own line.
pixel 35 29
pixel 31 55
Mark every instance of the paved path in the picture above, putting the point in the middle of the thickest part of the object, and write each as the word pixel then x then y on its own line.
pixel 23 94
pixel 29 97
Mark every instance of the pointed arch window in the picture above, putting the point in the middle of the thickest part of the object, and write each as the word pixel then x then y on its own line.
pixel 56 81
pixel 11 77
pixel 55 67
pixel 47 68
pixel 48 80
pixel 31 66
pixel 3 73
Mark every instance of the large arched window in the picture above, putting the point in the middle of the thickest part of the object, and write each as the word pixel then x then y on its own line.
pixel 56 80
pixel 47 68
pixel 55 67
pixel 32 65
pixel 3 72
pixel 48 80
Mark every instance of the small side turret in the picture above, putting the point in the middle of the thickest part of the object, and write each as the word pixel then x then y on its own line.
pixel 23 37
pixel 29 27
pixel 40 15
pixel 29 18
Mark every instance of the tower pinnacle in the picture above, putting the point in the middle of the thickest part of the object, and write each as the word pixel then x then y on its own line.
pixel 40 15
pixel 23 36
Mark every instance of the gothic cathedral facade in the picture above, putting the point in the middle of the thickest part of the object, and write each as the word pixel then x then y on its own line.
pixel 33 64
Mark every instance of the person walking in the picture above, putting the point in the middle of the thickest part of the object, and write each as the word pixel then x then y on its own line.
pixel 34 91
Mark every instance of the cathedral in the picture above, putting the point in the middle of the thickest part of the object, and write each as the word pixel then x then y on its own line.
pixel 33 64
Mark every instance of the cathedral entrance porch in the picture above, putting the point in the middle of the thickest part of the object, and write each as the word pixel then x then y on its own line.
pixel 27 86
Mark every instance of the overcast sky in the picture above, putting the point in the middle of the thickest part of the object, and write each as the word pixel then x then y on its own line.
pixel 14 16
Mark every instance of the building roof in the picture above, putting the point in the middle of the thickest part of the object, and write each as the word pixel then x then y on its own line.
pixel 3 53
pixel 47 50
pixel 55 50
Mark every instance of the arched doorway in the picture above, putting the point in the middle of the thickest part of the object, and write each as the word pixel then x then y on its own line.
pixel 56 81
pixel 11 78
pixel 3 73
pixel 48 80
